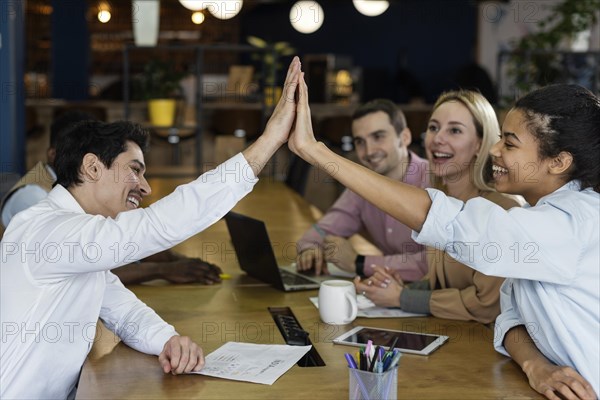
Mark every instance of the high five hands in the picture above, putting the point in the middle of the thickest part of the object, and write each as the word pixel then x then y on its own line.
pixel 301 135
pixel 284 113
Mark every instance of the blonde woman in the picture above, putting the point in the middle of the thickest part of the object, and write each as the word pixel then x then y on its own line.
pixel 461 130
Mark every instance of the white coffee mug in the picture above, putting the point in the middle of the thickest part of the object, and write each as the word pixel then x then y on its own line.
pixel 337 302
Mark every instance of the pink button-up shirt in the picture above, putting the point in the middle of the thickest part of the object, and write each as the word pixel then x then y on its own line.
pixel 350 214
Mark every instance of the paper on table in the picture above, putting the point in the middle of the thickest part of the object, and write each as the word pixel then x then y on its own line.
pixel 257 363
pixel 334 272
pixel 368 309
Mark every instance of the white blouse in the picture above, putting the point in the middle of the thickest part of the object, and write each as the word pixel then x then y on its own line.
pixel 551 252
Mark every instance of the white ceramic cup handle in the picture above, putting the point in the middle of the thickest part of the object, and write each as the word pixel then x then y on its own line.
pixel 354 312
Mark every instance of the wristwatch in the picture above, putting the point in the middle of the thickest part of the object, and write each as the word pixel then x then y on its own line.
pixel 359 262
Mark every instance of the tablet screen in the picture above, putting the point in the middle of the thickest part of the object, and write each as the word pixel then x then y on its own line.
pixel 381 337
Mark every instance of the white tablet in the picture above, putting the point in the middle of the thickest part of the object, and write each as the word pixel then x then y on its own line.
pixel 408 342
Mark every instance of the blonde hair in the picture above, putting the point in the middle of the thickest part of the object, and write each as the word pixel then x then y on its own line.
pixel 487 128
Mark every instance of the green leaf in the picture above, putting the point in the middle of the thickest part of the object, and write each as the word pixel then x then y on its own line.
pixel 281 46
pixel 566 19
pixel 257 42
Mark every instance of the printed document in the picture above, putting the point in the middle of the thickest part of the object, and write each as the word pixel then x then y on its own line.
pixel 257 363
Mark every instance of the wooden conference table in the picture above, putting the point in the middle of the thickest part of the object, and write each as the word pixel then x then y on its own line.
pixel 466 367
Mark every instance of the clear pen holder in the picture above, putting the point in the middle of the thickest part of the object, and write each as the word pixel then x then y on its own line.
pixel 365 385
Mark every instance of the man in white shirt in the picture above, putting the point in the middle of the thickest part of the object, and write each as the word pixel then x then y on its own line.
pixel 37 183
pixel 57 255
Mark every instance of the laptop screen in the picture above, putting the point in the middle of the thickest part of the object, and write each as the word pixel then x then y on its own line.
pixel 253 248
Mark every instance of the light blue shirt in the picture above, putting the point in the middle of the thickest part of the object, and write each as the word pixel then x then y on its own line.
pixel 24 198
pixel 551 252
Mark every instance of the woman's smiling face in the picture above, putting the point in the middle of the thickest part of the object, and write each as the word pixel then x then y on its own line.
pixel 451 142
pixel 518 167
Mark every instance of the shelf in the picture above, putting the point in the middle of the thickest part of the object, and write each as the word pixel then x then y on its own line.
pixel 196 57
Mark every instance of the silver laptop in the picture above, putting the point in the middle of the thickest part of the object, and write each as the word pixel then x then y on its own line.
pixel 256 257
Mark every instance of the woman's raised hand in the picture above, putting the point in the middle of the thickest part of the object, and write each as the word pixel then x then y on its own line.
pixel 281 121
pixel 302 137
pixel 279 126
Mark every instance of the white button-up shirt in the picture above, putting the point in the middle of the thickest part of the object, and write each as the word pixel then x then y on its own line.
pixel 55 279
pixel 551 252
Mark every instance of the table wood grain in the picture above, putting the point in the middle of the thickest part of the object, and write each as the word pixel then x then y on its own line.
pixel 466 367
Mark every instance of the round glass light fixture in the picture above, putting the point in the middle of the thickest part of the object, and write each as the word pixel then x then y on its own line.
pixel 104 16
pixel 371 8
pixel 307 16
pixel 198 17
pixel 194 5
pixel 223 9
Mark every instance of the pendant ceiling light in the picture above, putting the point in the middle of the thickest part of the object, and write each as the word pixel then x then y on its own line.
pixel 371 8
pixel 146 22
pixel 197 17
pixel 104 14
pixel 222 9
pixel 194 5
pixel 307 16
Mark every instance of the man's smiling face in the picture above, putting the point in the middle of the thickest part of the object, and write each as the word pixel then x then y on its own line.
pixel 122 186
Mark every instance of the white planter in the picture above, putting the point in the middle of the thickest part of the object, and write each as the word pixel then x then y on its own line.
pixel 145 21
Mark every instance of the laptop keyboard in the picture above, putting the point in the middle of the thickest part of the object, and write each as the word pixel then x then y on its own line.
pixel 293 279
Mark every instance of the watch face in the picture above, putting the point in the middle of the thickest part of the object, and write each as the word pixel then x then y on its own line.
pixel 359 262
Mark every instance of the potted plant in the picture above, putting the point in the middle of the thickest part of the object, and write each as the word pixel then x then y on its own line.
pixel 534 60
pixel 159 86
pixel 270 58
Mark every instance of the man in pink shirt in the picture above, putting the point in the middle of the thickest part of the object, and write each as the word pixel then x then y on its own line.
pixel 381 140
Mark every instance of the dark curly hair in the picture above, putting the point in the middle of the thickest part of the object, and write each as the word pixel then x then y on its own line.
pixel 566 118
pixel 105 140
